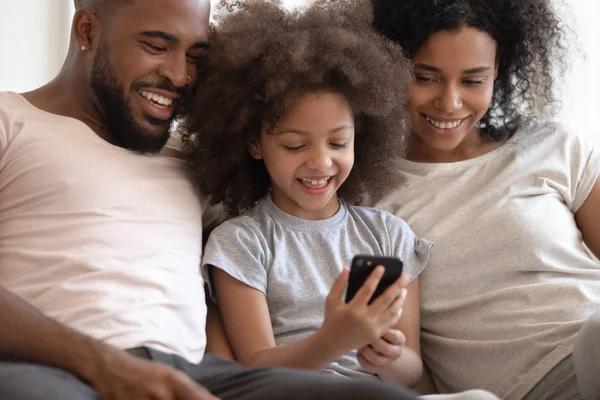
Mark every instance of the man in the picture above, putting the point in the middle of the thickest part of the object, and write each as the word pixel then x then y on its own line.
pixel 101 227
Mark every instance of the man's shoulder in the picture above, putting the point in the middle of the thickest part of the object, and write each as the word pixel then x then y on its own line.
pixel 10 102
pixel 11 105
pixel 174 147
pixel 16 109
pixel 9 96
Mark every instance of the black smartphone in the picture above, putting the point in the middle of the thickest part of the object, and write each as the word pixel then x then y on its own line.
pixel 361 268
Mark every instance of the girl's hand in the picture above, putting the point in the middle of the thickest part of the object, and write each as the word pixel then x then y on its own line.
pixel 353 325
pixel 379 355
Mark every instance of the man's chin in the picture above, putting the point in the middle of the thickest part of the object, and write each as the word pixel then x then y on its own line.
pixel 144 140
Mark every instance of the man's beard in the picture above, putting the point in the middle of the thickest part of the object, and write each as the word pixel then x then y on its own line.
pixel 119 119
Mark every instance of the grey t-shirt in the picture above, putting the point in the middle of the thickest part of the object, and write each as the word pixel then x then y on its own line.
pixel 510 281
pixel 294 262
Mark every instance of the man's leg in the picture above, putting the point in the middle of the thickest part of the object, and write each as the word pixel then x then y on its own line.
pixel 20 381
pixel 230 380
pixel 586 358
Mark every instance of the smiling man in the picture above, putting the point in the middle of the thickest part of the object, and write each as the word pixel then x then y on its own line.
pixel 101 226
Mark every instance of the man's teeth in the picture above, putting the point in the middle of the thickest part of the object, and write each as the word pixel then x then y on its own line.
pixel 313 182
pixel 162 100
pixel 443 125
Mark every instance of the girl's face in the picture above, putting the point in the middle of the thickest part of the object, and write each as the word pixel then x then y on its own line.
pixel 455 73
pixel 309 154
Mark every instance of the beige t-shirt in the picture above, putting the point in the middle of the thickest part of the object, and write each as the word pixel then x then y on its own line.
pixel 509 281
pixel 101 239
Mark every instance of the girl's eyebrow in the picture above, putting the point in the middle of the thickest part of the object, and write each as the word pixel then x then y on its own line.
pixel 301 132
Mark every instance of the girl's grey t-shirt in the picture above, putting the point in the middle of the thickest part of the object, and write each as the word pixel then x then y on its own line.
pixel 294 262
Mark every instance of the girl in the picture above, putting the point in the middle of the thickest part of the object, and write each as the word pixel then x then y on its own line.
pixel 509 200
pixel 296 115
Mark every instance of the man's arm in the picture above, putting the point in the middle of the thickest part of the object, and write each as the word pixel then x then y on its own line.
pixel 26 334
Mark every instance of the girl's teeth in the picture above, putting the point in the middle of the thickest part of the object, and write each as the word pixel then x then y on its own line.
pixel 163 101
pixel 443 125
pixel 321 182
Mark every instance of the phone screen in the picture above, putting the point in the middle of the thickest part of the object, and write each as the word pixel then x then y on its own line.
pixel 361 268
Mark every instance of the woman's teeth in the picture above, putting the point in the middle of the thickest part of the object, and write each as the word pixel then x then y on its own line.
pixel 162 100
pixel 443 125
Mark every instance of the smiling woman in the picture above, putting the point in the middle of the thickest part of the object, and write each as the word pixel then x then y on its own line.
pixel 508 197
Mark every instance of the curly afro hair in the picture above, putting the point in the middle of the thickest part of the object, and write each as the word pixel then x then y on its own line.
pixel 531 44
pixel 263 58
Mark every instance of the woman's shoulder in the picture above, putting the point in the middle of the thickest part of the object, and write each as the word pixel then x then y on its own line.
pixel 549 139
pixel 375 215
pixel 533 129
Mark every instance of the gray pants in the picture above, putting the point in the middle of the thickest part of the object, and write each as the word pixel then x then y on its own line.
pixel 586 358
pixel 577 377
pixel 225 379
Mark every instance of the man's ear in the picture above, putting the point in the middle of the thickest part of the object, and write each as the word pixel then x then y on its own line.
pixel 85 29
pixel 255 151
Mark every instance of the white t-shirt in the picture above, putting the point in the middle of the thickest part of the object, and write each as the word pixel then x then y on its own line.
pixel 509 281
pixel 101 239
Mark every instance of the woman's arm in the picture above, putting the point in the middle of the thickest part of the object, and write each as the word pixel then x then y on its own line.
pixel 407 369
pixel 588 219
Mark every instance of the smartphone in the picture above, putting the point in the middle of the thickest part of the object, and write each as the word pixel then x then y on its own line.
pixel 361 268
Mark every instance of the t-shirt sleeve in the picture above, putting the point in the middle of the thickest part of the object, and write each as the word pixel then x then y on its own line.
pixel 584 166
pixel 407 246
pixel 235 247
pixel 212 214
pixel 4 123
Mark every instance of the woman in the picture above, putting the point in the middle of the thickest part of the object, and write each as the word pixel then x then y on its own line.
pixel 508 199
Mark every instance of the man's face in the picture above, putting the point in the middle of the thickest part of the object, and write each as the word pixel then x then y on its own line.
pixel 144 65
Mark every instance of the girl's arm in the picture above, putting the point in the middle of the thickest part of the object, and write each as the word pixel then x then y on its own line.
pixel 407 369
pixel 588 219
pixel 248 324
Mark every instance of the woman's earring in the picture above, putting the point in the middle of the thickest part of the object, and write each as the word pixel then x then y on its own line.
pixel 83 48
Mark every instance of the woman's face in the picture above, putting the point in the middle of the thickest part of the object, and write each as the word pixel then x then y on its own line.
pixel 455 73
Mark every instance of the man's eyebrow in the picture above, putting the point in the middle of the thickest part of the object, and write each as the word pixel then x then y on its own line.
pixel 171 38
pixel 470 71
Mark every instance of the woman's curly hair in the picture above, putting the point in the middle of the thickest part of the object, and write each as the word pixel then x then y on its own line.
pixel 531 44
pixel 263 58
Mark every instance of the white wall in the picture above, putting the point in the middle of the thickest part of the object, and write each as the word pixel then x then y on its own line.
pixel 581 96
pixel 33 41
pixel 34 38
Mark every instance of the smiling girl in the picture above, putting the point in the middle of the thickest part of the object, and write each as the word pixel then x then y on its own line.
pixel 296 114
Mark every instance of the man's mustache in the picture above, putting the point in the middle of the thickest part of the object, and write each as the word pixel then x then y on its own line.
pixel 166 86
